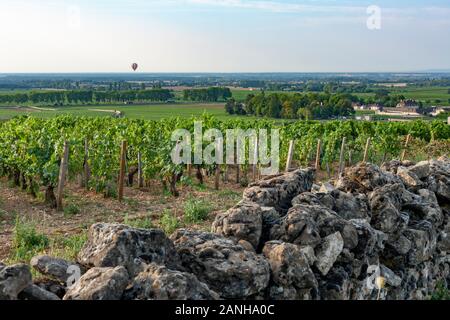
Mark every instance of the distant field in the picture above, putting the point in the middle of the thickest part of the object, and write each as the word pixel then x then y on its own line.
pixel 431 93
pixel 148 112
pixel 423 94
pixel 187 109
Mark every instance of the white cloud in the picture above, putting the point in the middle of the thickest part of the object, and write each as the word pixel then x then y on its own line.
pixel 276 6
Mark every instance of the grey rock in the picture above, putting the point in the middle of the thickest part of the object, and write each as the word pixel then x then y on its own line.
pixel 336 285
pixel 351 206
pixel 111 245
pixel 443 242
pixel 421 169
pixel 52 286
pixel 300 225
pixel 247 245
pixel 160 283
pixel 289 266
pixel 326 187
pixel 309 253
pixel 438 180
pixel 409 178
pixel 14 279
pixel 370 241
pixel 328 251
pixel 242 222
pixel 53 267
pixel 423 244
pixel 306 224
pixel 391 278
pixel 226 267
pixel 270 218
pixel 386 203
pixel 278 191
pixel 34 292
pixel 365 177
pixel 100 284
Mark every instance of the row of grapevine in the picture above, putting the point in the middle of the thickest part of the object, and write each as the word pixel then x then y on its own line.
pixel 31 148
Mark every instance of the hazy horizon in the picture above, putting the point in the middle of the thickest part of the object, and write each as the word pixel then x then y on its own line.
pixel 224 36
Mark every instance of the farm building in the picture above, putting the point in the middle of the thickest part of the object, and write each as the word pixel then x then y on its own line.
pixel 398 111
pixel 375 107
pixel 410 104
pixel 438 110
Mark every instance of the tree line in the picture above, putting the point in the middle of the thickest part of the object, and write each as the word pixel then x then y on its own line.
pixel 87 96
pixel 212 94
pixel 297 106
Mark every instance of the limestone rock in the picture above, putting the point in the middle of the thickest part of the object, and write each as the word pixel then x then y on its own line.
pixel 328 251
pixel 34 292
pixel 100 284
pixel 365 177
pixel 14 279
pixel 111 245
pixel 278 191
pixel 242 222
pixel 160 283
pixel 409 178
pixel 305 225
pixel 421 169
pixel 289 266
pixel 53 267
pixel 222 264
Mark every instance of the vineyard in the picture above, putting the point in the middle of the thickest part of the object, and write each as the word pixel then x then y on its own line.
pixel 37 153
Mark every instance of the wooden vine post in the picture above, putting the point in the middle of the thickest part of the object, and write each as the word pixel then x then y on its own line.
pixel 87 171
pixel 140 173
pixel 62 177
pixel 226 173
pixel 255 164
pixel 366 150
pixel 189 170
pixel 238 173
pixel 319 145
pixel 341 158
pixel 408 138
pixel 290 155
pixel 123 153
pixel 238 168
pixel 217 177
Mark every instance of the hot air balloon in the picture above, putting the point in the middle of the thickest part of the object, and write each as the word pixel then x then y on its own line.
pixel 134 66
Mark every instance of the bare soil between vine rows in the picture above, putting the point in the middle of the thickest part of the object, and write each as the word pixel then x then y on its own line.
pixel 148 203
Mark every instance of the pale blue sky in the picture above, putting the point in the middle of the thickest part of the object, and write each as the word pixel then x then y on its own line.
pixel 222 36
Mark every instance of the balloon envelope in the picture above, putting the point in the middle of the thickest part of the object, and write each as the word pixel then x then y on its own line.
pixel 134 66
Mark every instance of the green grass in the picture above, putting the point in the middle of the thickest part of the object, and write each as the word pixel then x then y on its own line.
pixel 27 242
pixel 140 223
pixel 147 112
pixel 418 93
pixel 441 293
pixel 229 194
pixel 426 93
pixel 196 211
pixel 169 222
pixel 188 109
pixel 67 247
pixel 71 210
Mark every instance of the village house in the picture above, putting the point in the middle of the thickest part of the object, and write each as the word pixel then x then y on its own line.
pixel 438 110
pixel 375 107
pixel 404 112
pixel 409 104
pixel 405 108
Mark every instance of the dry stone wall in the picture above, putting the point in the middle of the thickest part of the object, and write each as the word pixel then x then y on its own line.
pixel 287 239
